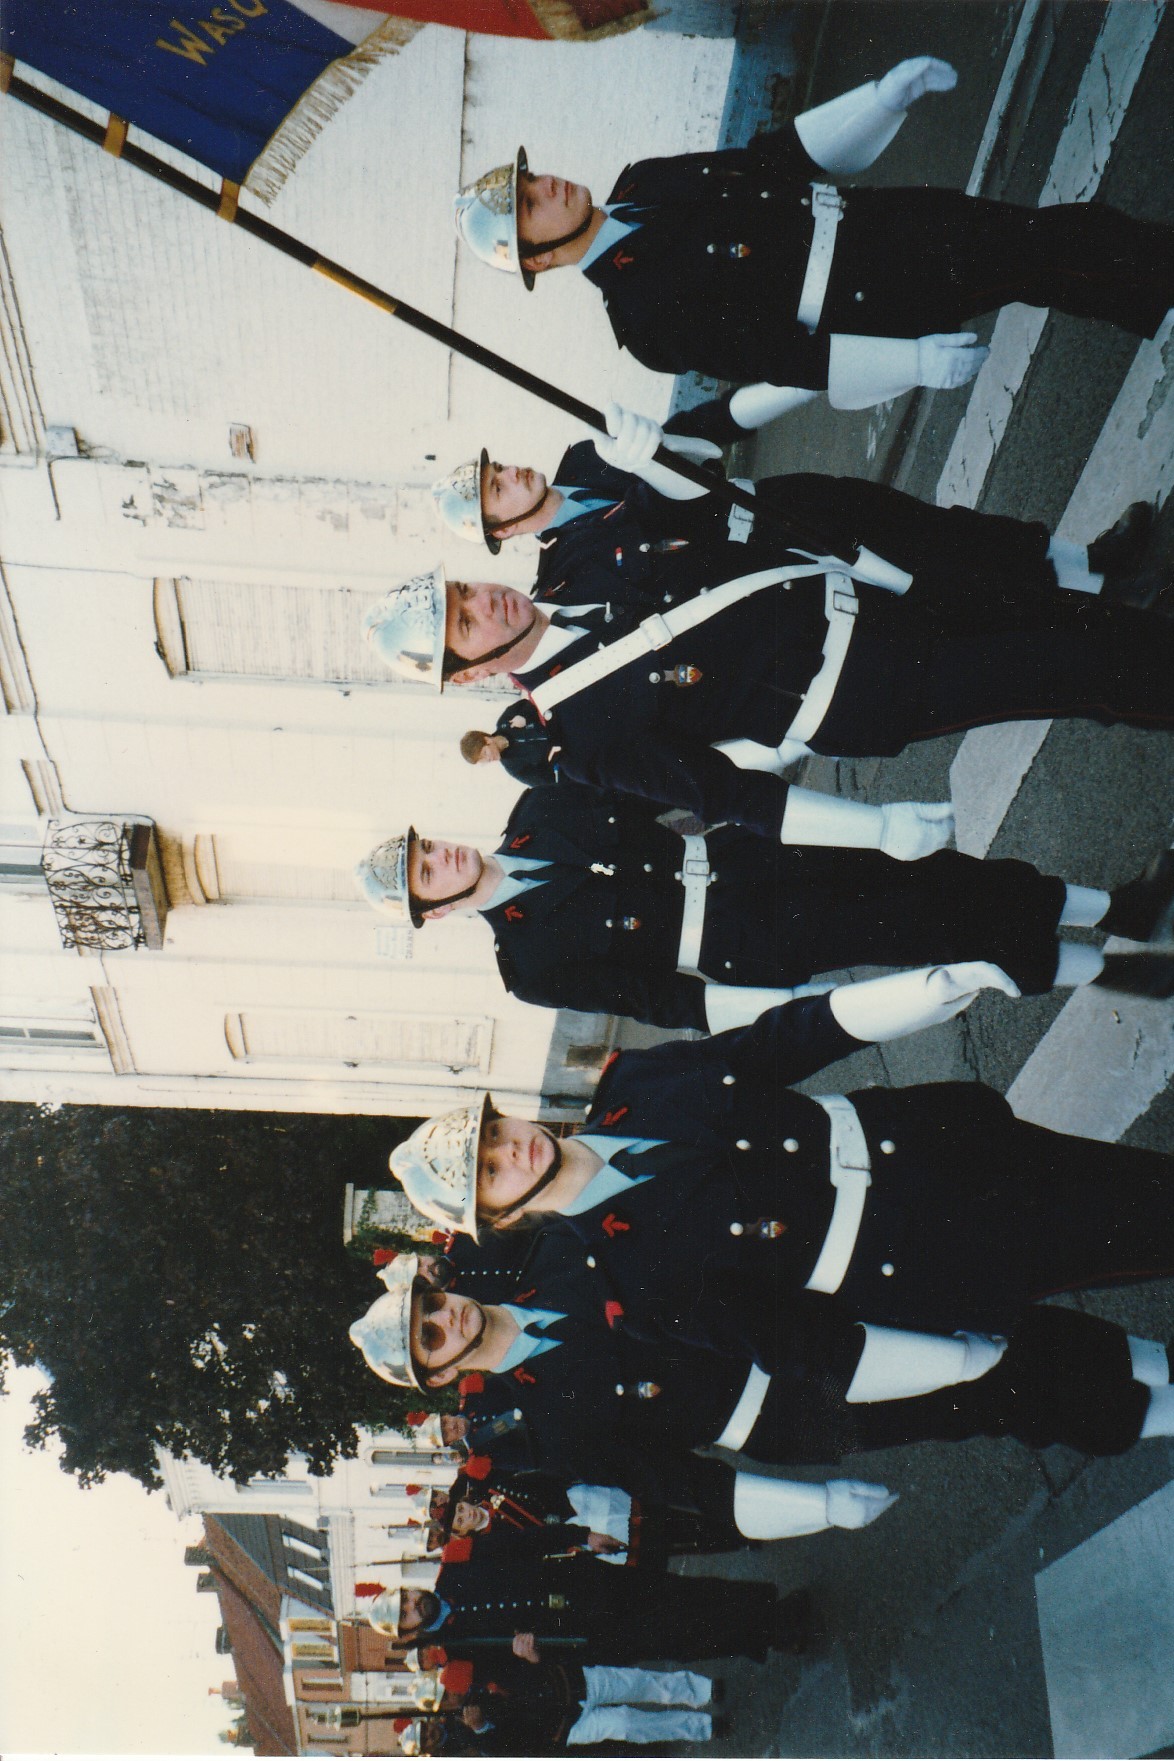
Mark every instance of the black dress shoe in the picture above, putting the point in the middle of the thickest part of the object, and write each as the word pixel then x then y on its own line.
pixel 1119 551
pixel 1143 909
pixel 1139 975
pixel 1147 590
pixel 794 1623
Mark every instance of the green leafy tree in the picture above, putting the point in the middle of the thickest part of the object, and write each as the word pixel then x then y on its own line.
pixel 181 1277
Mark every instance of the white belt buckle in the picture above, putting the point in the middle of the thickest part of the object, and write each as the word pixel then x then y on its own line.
pixel 850 1172
pixel 826 195
pixel 696 868
pixel 844 600
pixel 657 631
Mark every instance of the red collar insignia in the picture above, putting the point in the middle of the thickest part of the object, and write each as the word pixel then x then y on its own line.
pixel 473 1383
pixel 615 1115
pixel 521 1374
pixel 614 1312
pixel 520 842
pixel 513 914
pixel 613 1225
pixel 622 259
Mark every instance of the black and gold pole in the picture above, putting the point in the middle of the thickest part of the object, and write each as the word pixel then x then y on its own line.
pixel 224 203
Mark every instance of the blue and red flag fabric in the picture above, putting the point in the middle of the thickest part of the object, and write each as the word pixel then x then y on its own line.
pixel 245 86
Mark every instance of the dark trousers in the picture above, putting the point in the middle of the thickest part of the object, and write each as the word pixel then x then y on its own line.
pixel 906 680
pixel 822 910
pixel 929 260
pixel 974 1214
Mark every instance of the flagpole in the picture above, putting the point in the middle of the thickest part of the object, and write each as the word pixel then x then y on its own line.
pixel 224 204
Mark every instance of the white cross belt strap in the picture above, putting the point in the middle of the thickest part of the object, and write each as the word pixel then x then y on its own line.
pixel 745 1415
pixel 840 607
pixel 827 211
pixel 851 1176
pixel 660 629
pixel 694 877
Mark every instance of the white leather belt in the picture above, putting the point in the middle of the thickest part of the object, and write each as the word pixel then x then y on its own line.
pixel 745 1415
pixel 840 607
pixel 827 211
pixel 694 877
pixel 851 1177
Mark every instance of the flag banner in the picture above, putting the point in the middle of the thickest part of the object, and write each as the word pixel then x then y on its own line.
pixel 244 87
pixel 570 20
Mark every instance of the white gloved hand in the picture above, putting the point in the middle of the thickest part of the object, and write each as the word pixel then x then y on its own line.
pixel 946 362
pixel 952 988
pixel 912 79
pixel 633 438
pixel 853 1504
pixel 913 829
pixel 983 1351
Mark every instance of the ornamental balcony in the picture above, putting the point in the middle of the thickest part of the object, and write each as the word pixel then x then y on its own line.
pixel 105 883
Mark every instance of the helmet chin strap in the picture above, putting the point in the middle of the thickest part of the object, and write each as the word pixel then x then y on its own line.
pixel 499 531
pixel 540 1185
pixel 527 250
pixel 496 653
pixel 463 1353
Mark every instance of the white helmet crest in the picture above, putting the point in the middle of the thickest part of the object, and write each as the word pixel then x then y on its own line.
pixel 486 216
pixel 382 879
pixel 406 627
pixel 383 1334
pixel 437 1167
pixel 458 502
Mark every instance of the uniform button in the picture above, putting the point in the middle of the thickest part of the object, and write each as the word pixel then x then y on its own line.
pixel 648 868
pixel 611 819
pixel 667 600
pixel 646 548
pixel 654 678
pixel 705 171
pixel 619 1387
pixel 591 1260
pixel 790 1144
pixel 805 201
pixel 887 1269
pixel 729 1081
pixel 711 249
pixel 609 923
pixel 765 194
pixel 887 1146
pixel 743 1143
pixel 858 295
pixel 729 963
pixel 737 1228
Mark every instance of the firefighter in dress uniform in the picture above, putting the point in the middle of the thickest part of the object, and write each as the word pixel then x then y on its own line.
pixel 746 265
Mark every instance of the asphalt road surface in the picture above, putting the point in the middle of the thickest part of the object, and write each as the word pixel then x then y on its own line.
pixel 934 1642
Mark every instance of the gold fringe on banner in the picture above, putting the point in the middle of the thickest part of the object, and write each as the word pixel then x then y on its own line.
pixel 319 103
pixel 562 19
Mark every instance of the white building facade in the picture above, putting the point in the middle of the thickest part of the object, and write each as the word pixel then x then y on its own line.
pixel 211 462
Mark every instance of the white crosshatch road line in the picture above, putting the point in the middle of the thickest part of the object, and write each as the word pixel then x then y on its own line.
pixel 1105 1058
pixel 992 762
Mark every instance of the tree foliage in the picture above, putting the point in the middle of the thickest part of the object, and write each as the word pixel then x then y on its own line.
pixel 181 1277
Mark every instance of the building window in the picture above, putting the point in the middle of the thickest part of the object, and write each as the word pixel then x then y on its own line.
pixel 275 864
pixel 326 1036
pixel 304 1577
pixel 296 1545
pixel 260 630
pixel 32 1025
pixel 21 871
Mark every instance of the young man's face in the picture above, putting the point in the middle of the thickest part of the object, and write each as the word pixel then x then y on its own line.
pixel 549 207
pixel 480 616
pixel 454 1428
pixel 509 492
pixel 469 1519
pixel 512 1155
pixel 438 870
pixel 417 1608
pixel 444 1327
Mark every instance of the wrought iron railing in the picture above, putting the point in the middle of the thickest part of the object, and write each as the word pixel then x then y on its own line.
pixel 94 869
